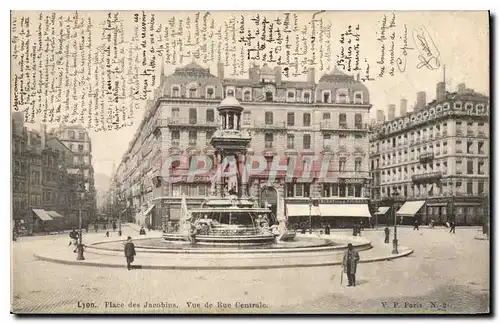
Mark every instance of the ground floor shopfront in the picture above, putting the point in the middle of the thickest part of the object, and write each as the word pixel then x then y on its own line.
pixel 462 210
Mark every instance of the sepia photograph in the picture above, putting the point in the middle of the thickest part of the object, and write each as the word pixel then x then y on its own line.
pixel 250 162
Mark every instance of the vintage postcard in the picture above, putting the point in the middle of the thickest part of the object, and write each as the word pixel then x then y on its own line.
pixel 273 162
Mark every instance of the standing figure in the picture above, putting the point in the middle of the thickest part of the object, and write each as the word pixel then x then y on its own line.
pixel 107 233
pixel 452 227
pixel 387 232
pixel 415 225
pixel 350 262
pixel 96 227
pixel 327 229
pixel 129 252
pixel 114 226
pixel 74 238
pixel 354 230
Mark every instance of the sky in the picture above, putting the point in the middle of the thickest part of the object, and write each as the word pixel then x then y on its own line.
pixel 461 38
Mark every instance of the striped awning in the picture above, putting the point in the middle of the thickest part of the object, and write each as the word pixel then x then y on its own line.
pixel 42 214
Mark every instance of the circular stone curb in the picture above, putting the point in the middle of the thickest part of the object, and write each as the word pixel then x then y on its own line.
pixel 201 267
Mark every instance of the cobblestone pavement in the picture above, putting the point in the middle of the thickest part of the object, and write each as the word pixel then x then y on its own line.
pixel 446 273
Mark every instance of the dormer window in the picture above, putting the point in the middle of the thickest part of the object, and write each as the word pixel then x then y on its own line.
pixel 290 95
pixel 269 96
pixel 342 96
pixel 468 106
pixel 458 105
pixel 230 92
pixel 326 96
pixel 176 91
pixel 193 91
pixel 358 97
pixel 210 93
pixel 247 95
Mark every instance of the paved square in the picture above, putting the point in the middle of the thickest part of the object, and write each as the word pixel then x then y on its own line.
pixel 446 273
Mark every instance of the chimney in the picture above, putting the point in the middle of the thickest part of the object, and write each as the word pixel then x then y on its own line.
pixel 403 109
pixel 43 135
pixel 461 88
pixel 440 91
pixel 254 72
pixel 421 101
pixel 277 72
pixel 380 116
pixel 392 113
pixel 220 71
pixel 311 75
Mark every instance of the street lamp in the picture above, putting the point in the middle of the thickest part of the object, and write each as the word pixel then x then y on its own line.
pixel 310 217
pixel 79 247
pixel 395 240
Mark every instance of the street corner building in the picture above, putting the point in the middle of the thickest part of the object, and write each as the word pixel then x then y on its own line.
pixel 51 168
pixel 433 163
pixel 311 121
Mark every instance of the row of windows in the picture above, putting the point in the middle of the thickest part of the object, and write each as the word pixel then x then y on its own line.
pixel 269 117
pixel 471 147
pixel 436 166
pixel 429 133
pixel 435 189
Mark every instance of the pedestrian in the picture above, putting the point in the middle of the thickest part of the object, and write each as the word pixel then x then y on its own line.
pixel 415 225
pixel 431 225
pixel 354 230
pixel 96 227
pixel 114 226
pixel 142 231
pixel 107 233
pixel 73 239
pixel 452 227
pixel 327 229
pixel 387 232
pixel 129 252
pixel 350 261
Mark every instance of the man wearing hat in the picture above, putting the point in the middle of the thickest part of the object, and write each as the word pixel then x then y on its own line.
pixel 351 258
pixel 129 252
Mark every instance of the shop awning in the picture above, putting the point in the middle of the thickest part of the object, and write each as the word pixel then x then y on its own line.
pixel 296 210
pixel 42 214
pixel 54 214
pixel 344 210
pixel 410 208
pixel 382 210
pixel 150 208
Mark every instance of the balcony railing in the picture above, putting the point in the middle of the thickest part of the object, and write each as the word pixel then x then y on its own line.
pixel 459 150
pixel 424 157
pixel 172 122
pixel 427 176
pixel 332 125
pixel 273 126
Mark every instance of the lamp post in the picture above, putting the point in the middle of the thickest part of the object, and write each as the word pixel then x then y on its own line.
pixel 395 240
pixel 310 216
pixel 79 247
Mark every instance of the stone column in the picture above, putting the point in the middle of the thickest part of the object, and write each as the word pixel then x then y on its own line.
pixel 244 178
pixel 218 179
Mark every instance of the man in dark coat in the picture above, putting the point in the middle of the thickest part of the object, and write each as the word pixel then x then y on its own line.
pixel 415 225
pixel 387 232
pixel 129 252
pixel 349 263
pixel 327 229
pixel 354 230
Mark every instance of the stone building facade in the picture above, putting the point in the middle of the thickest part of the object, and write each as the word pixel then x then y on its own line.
pixel 311 121
pixel 436 157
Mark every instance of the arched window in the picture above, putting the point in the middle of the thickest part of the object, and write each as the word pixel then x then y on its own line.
pixel 230 92
pixel 247 95
pixel 210 93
